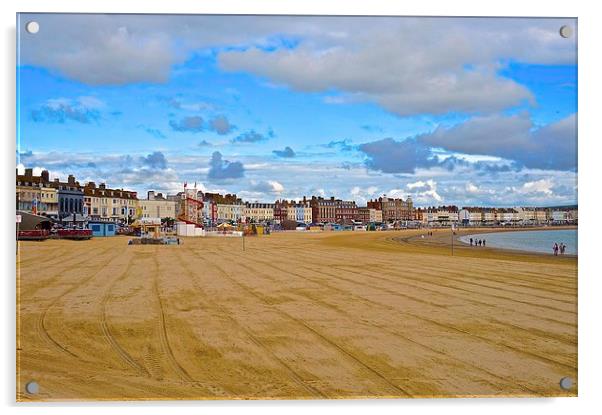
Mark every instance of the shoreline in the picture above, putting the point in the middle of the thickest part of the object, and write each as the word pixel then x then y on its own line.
pixel 480 231
pixel 440 244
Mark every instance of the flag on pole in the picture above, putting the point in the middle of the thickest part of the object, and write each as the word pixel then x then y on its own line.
pixel 185 184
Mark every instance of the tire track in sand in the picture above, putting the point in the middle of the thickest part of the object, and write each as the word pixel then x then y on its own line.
pixel 173 362
pixel 320 336
pixel 41 324
pixel 445 326
pixel 294 376
pixel 106 332
pixel 395 333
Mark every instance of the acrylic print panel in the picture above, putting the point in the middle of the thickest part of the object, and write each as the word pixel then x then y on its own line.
pixel 295 207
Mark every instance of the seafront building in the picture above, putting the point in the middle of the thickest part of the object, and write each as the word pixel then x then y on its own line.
pixel 470 216
pixel 258 212
pixel 486 216
pixel 559 216
pixel 58 199
pixel 489 216
pixel 573 215
pixel 393 210
pixel 333 210
pixel 219 208
pixel 101 202
pixel 281 210
pixel 34 194
pixel 299 212
pixel 369 215
pixel 156 206
pixel 176 198
pixel 70 196
pixel 441 215
pixel 323 210
pixel 304 212
pixel 506 216
pixel 346 212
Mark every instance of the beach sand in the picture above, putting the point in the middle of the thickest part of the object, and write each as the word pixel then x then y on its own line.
pixel 294 315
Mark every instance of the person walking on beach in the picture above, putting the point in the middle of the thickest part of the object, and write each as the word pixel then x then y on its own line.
pixel 470 241
pixel 483 242
pixel 555 249
pixel 562 248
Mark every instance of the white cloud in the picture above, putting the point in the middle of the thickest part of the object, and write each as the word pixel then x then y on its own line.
pixel 424 192
pixel 276 187
pixel 267 187
pixel 406 65
pixel 411 66
pixel 417 184
pixel 471 188
pixel 539 186
pixel 362 194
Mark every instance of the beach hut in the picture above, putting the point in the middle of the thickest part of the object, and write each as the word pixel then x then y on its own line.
pixel 100 228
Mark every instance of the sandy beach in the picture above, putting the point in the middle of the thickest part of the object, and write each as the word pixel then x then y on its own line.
pixel 293 316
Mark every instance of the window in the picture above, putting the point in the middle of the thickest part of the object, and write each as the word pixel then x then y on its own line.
pixel 95 228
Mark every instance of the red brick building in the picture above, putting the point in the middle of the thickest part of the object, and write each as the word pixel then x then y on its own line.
pixel 323 210
pixel 333 210
pixel 346 211
pixel 393 209
pixel 281 210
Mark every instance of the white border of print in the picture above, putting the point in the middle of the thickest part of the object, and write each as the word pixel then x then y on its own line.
pixel 590 152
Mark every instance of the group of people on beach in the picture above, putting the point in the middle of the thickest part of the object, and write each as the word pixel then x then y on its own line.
pixel 559 248
pixel 477 242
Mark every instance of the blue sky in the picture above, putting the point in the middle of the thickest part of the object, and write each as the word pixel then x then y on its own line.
pixel 463 111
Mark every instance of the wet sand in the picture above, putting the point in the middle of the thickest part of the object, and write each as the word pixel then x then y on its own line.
pixel 293 316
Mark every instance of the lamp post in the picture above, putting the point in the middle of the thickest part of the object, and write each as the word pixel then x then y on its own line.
pixel 452 238
pixel 382 209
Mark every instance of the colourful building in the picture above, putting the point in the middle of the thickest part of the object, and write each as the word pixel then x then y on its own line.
pixel 70 196
pixel 34 194
pixel 109 204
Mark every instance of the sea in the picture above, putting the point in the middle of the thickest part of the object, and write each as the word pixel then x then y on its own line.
pixel 533 241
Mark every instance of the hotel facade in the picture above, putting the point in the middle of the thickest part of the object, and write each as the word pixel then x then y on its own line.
pixel 101 202
pixel 258 212
pixel 156 206
pixel 34 194
pixel 393 210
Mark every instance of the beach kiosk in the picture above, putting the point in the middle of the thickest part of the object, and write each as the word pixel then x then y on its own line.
pixel 102 228
pixel 149 227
